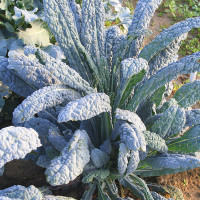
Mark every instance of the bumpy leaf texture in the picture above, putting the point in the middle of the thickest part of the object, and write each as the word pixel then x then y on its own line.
pixel 92 31
pixel 20 192
pixel 192 117
pixel 174 162
pixel 72 160
pixel 188 94
pixel 143 13
pixel 187 143
pixel 155 142
pixel 124 154
pixel 85 108
pixel 16 142
pixel 129 137
pixel 64 73
pixel 14 81
pixel 46 97
pixel 33 72
pixel 170 123
pixel 186 65
pixel 166 37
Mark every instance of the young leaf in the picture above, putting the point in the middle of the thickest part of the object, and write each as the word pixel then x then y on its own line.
pixel 170 123
pixel 188 94
pixel 166 37
pixel 71 162
pixel 40 100
pixel 187 143
pixel 184 66
pixel 132 72
pixel 155 142
pixel 16 142
pixel 22 193
pixel 85 108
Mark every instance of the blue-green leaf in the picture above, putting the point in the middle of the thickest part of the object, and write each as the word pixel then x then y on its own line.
pixel 187 143
pixel 188 94
pixel 40 100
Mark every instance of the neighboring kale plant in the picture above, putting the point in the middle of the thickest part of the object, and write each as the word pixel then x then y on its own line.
pixel 102 117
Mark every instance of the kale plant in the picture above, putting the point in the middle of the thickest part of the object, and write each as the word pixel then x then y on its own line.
pixel 105 116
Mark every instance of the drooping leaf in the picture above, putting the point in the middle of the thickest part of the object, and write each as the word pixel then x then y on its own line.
pixel 188 94
pixel 92 30
pixel 99 158
pixel 168 164
pixel 141 20
pixel 170 123
pixel 187 143
pixel 167 36
pixel 71 162
pixel 16 142
pixel 14 81
pixel 192 117
pixel 85 108
pixel 32 72
pixel 184 66
pixel 40 100
pixel 155 142
pixel 122 160
pixel 64 73
pixel 20 192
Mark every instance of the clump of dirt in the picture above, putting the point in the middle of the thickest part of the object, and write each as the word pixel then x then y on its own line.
pixel 188 182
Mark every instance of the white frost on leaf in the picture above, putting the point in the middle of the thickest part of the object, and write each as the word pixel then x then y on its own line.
pixel 16 142
pixel 72 160
pixel 85 108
